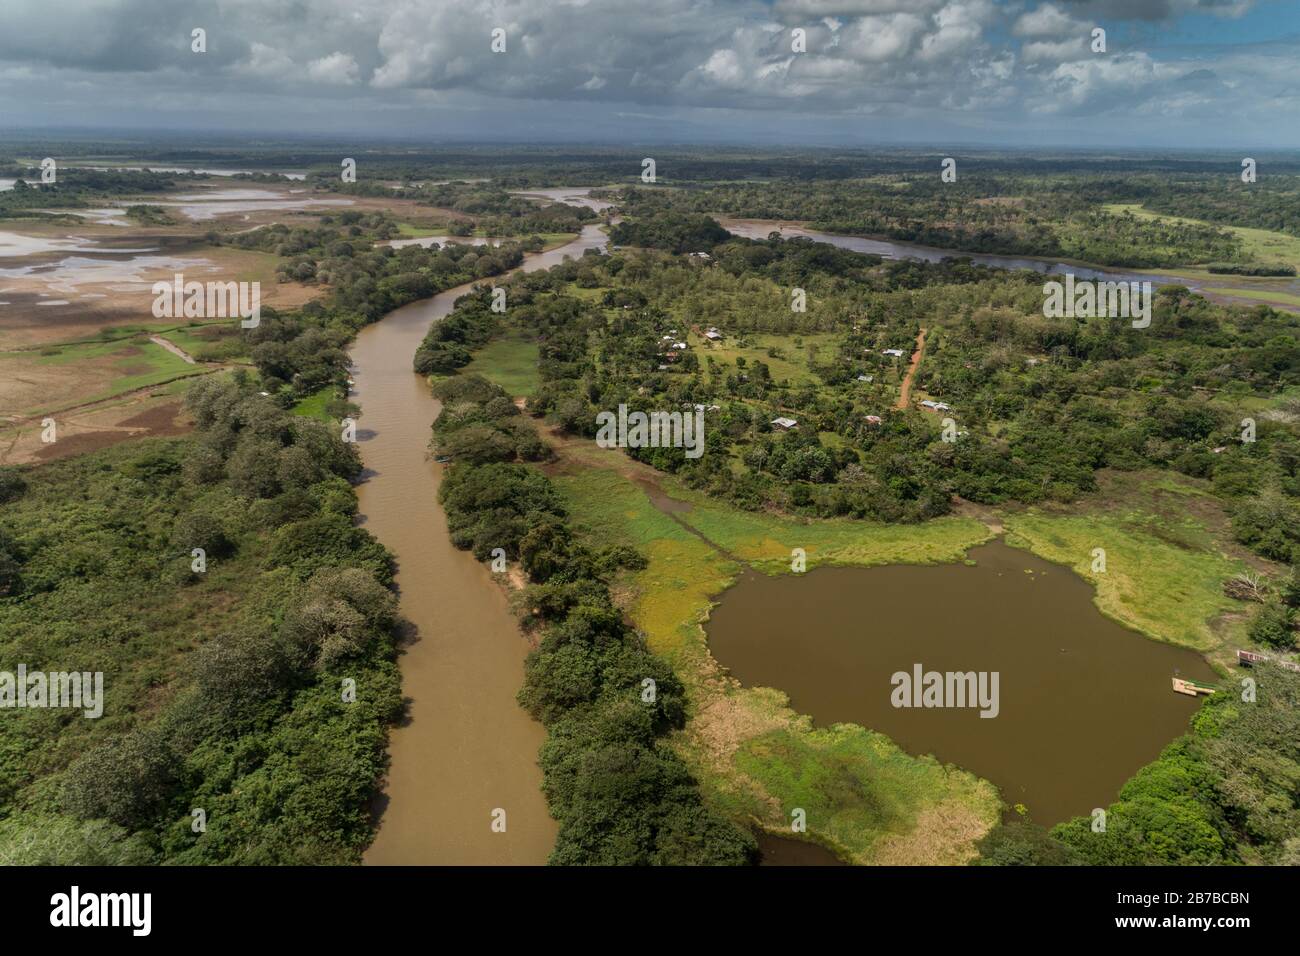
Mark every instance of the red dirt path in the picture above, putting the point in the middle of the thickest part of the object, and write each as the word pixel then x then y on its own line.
pixel 905 390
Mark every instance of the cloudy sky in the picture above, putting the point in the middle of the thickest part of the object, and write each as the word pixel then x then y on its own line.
pixel 1197 73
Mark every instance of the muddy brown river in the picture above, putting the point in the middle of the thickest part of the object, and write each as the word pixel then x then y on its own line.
pixel 466 749
pixel 1082 701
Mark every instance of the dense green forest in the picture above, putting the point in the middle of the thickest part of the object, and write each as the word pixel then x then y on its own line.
pixel 75 188
pixel 1054 217
pixel 1042 404
pixel 226 688
pixel 301 351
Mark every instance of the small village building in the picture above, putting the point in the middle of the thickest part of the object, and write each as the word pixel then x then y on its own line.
pixel 896 353
pixel 866 378
pixel 874 419
pixel 784 424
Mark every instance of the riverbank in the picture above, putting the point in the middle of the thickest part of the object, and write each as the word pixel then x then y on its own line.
pixel 1278 293
pixel 465 749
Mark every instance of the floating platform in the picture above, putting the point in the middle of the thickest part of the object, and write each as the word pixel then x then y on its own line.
pixel 1192 688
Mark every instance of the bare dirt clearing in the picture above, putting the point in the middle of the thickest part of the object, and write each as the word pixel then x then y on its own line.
pixel 151 413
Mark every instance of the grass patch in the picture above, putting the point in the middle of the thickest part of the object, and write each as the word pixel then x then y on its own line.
pixel 100 370
pixel 863 795
pixel 1176 486
pixel 553 240
pixel 791 362
pixel 766 541
pixel 408 231
pixel 509 361
pixel 313 406
pixel 1260 245
pixel 199 340
pixel 1260 295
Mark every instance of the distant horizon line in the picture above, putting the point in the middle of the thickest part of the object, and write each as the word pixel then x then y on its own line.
pixel 309 136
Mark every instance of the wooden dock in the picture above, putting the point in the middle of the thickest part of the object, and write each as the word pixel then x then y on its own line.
pixel 1246 658
pixel 1192 688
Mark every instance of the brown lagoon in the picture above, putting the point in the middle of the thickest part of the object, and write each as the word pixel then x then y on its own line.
pixel 1083 702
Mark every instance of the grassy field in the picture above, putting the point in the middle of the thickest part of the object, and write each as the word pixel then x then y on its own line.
pixel 510 361
pixel 87 372
pixel 553 240
pixel 766 541
pixel 854 783
pixel 198 338
pixel 1258 295
pixel 250 265
pixel 313 406
pixel 408 231
pixel 792 363
pixel 755 757
pixel 1260 245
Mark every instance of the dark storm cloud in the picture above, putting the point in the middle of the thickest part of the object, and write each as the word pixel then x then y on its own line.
pixel 869 64
pixel 1154 10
